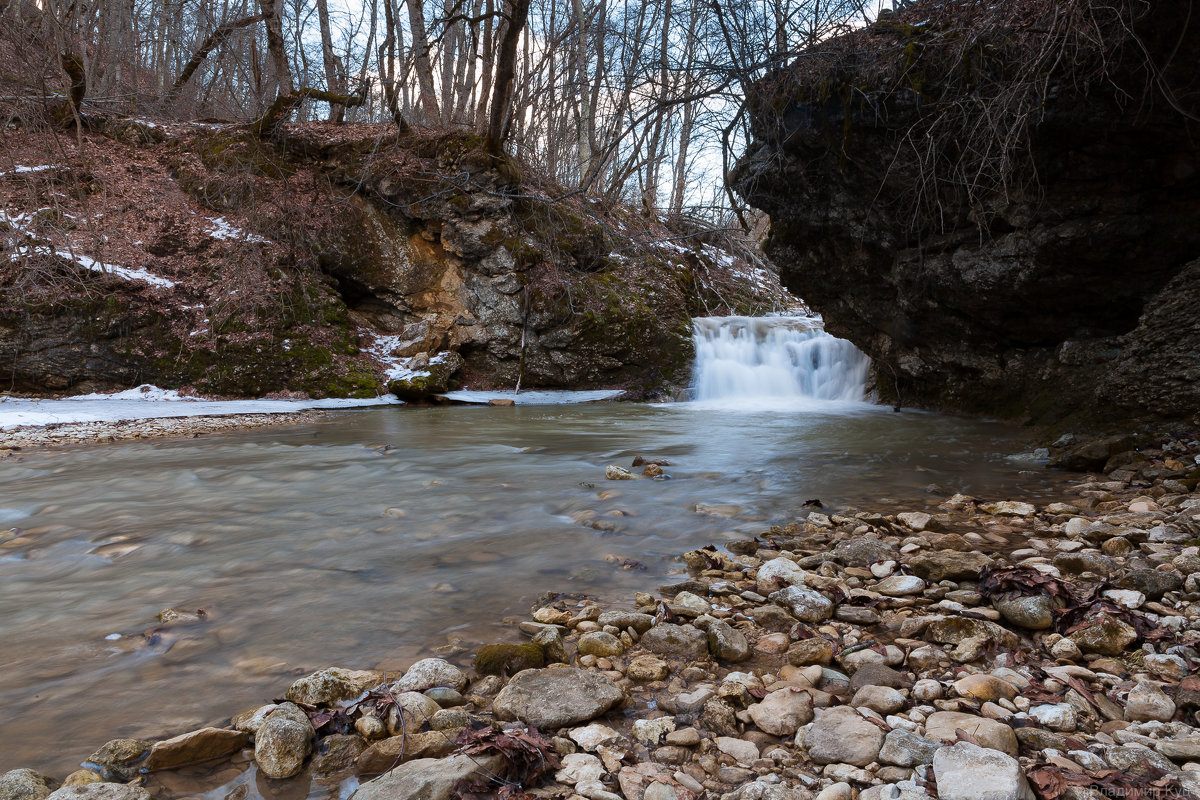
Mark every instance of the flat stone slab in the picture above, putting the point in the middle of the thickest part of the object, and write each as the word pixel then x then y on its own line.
pixel 553 698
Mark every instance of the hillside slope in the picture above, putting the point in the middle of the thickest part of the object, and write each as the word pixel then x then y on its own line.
pixel 332 261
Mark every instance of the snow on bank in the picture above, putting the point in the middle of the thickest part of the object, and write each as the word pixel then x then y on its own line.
pixel 395 368
pixel 20 224
pixel 21 170
pixel 534 397
pixel 221 229
pixel 150 402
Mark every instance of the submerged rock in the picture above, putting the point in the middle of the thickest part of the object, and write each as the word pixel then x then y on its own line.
pixel 508 659
pixel 194 747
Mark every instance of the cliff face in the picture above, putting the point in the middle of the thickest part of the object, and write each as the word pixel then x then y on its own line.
pixel 1003 212
pixel 335 260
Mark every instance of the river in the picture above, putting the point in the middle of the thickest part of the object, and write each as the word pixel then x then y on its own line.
pixel 373 537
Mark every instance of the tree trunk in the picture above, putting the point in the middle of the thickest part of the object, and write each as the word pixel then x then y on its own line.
pixel 212 42
pixel 281 77
pixel 485 75
pixel 333 79
pixel 506 61
pixel 421 62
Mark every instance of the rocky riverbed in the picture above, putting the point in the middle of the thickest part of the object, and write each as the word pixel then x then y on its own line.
pixel 990 649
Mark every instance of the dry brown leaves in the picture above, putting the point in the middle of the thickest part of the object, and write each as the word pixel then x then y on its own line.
pixel 527 754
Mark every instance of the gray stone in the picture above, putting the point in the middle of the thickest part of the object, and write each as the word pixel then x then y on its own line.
pixel 1078 563
pixel 551 641
pixel 445 697
pixel 726 642
pixel 968 772
pixel 806 605
pixel 627 619
pixel 878 675
pixel 778 573
pixel 427 778
pixel 1148 702
pixel 857 615
pixel 100 791
pixel 578 767
pixel 772 618
pixel 410 712
pixel 742 751
pixel 1035 612
pixel 24 784
pixel 1105 635
pixel 782 712
pixel 840 735
pixel 677 641
pixel 900 585
pixel 552 698
pixel 906 749
pixel 119 759
pixel 955 630
pixel 941 727
pixel 882 699
pixel 430 672
pixel 1130 757
pixel 915 520
pixel 327 686
pixel 863 552
pixel 387 753
pixel 283 742
pixel 1150 582
pixel 337 753
pixel 600 644
pixel 951 566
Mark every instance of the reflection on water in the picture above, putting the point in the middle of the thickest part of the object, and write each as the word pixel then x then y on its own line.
pixel 368 539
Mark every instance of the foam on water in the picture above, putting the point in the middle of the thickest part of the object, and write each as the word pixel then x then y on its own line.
pixel 773 362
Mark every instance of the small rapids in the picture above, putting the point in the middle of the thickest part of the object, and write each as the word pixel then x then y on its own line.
pixel 757 360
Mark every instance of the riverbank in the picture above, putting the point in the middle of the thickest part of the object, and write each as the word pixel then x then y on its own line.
pixel 1027 648
pixel 85 433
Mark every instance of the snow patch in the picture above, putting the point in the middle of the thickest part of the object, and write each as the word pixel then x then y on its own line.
pixel 534 397
pixel 18 169
pixel 20 222
pixel 222 229
pixel 151 402
pixel 395 368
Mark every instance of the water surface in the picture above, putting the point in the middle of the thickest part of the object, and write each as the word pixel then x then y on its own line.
pixel 373 537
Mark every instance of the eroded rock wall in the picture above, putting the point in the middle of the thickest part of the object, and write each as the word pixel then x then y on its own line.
pixel 331 259
pixel 1057 291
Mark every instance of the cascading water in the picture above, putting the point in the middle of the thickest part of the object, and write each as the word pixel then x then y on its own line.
pixel 769 359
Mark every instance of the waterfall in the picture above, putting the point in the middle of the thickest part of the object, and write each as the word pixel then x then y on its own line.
pixel 743 360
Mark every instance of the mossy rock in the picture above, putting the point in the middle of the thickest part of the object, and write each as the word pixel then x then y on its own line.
pixel 508 659
pixel 436 380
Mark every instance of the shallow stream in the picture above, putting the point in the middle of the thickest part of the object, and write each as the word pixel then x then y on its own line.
pixel 373 537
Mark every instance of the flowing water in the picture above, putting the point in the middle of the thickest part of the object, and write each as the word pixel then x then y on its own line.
pixel 768 360
pixel 372 537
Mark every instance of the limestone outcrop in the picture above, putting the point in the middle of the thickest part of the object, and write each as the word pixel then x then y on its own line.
pixel 341 260
pixel 1002 212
